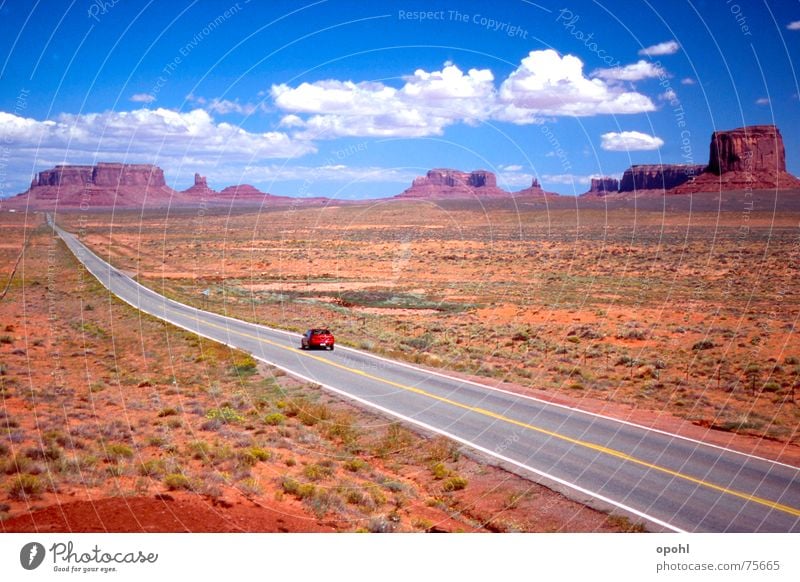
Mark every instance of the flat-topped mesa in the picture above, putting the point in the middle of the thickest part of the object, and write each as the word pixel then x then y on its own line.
pixel 756 148
pixel 444 182
pixel 746 158
pixel 658 176
pixel 103 175
pixel 104 184
pixel 602 186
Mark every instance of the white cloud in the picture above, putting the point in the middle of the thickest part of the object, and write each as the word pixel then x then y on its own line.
pixel 567 179
pixel 511 168
pixel 629 141
pixel 634 72
pixel 424 105
pixel 762 101
pixel 668 95
pixel 142 98
pixel 545 84
pixel 225 106
pixel 663 48
pixel 149 133
pixel 688 81
pixel 794 25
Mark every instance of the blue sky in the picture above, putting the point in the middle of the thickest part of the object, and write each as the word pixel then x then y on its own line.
pixel 353 99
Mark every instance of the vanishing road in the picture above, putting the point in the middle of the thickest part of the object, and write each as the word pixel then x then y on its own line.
pixel 676 484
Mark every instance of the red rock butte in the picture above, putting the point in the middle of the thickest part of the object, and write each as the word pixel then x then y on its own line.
pixel 105 184
pixel 446 183
pixel 747 158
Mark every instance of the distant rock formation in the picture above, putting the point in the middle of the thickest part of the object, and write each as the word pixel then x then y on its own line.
pixel 103 175
pixel 242 191
pixel 747 158
pixel 105 184
pixel 447 183
pixel 602 186
pixel 657 176
pixel 199 188
pixel 535 189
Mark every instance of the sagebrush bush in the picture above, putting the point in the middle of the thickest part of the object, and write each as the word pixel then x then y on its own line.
pixel 24 486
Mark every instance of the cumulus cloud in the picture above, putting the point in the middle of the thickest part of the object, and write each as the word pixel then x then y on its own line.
pixel 545 84
pixel 688 81
pixel 634 72
pixel 629 141
pixel 157 132
pixel 142 98
pixel 794 25
pixel 669 47
pixel 426 104
pixel 762 101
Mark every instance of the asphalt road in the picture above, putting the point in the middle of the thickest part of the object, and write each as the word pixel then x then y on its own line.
pixel 674 483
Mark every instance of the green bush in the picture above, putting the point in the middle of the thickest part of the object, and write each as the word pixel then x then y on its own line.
pixel 316 472
pixel 226 415
pixel 440 471
pixel 177 481
pixel 274 419
pixel 454 483
pixel 299 490
pixel 118 451
pixel 152 468
pixel 24 486
pixel 355 465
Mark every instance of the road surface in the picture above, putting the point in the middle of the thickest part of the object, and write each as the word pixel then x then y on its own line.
pixel 674 483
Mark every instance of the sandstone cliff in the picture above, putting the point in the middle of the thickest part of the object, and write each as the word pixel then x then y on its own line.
pixel 747 158
pixel 199 188
pixel 105 184
pixel 447 183
pixel 657 176
pixel 602 186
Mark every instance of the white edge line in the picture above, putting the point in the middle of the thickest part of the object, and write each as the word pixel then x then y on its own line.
pixel 396 414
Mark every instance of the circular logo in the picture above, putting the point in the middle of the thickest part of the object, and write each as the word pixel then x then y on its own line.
pixel 31 555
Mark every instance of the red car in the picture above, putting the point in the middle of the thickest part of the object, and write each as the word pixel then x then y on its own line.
pixel 317 338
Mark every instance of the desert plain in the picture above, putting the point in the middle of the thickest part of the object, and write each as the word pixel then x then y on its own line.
pixel 675 312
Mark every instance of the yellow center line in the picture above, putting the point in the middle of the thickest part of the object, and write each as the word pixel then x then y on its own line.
pixel 592 446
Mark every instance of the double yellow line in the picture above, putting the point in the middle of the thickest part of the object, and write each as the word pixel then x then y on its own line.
pixel 488 413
